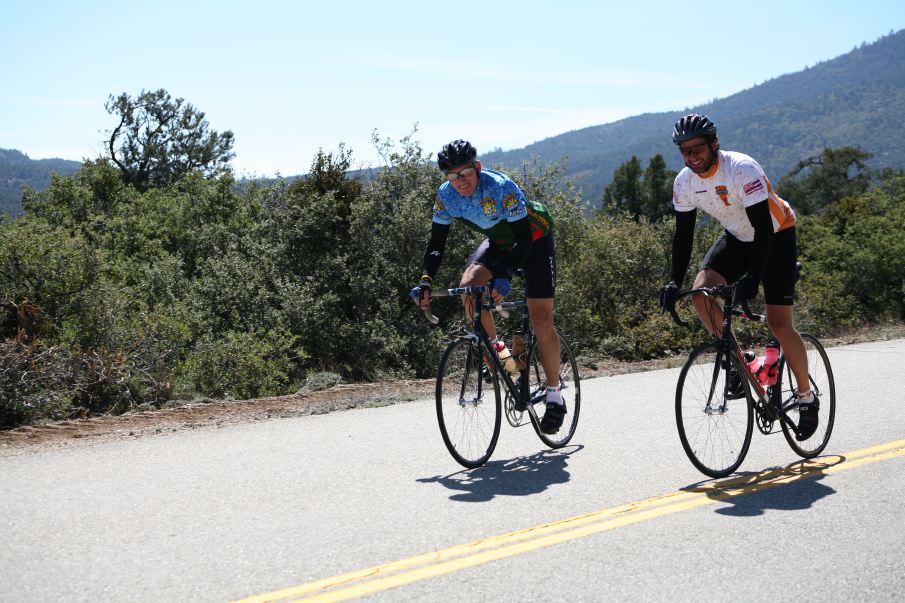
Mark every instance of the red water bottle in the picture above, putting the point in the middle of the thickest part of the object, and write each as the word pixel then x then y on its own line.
pixel 769 368
pixel 752 361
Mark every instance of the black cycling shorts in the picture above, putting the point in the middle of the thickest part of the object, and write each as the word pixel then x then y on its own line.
pixel 539 266
pixel 730 257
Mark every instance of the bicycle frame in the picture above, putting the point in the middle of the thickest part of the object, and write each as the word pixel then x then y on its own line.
pixel 471 367
pixel 767 399
pixel 717 442
pixel 518 391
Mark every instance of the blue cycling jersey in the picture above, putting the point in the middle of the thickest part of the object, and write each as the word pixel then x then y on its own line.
pixel 497 200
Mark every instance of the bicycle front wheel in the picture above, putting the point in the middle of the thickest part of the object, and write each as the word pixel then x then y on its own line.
pixel 821 380
pixel 715 431
pixel 468 404
pixel 571 392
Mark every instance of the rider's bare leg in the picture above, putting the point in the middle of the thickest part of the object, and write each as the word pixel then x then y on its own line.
pixel 709 311
pixel 477 275
pixel 780 320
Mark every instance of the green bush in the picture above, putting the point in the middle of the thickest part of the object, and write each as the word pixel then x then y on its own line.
pixel 110 298
pixel 241 365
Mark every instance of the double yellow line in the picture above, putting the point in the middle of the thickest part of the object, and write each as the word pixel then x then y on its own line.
pixel 429 565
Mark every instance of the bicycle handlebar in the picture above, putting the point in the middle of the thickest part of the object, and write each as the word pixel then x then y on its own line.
pixel 727 292
pixel 475 290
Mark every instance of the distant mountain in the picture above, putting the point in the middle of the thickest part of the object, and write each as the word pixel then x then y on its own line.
pixel 857 99
pixel 17 170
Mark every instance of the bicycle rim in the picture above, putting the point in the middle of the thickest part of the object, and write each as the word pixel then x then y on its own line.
pixel 715 432
pixel 571 393
pixel 820 375
pixel 468 408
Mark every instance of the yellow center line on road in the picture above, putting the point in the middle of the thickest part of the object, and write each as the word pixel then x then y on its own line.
pixel 421 567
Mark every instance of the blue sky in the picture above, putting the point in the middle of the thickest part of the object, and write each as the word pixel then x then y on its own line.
pixel 290 78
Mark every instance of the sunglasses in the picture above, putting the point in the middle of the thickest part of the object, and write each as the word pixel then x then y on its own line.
pixel 460 174
pixel 686 151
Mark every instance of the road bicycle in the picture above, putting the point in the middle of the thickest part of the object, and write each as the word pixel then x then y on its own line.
pixel 715 412
pixel 471 376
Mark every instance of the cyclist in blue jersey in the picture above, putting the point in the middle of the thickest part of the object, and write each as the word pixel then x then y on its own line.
pixel 519 234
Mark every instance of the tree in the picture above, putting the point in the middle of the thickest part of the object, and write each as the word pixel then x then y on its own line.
pixel 158 140
pixel 656 189
pixel 646 193
pixel 624 192
pixel 817 182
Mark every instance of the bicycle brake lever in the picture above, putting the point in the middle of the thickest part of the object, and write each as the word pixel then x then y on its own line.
pixel 745 308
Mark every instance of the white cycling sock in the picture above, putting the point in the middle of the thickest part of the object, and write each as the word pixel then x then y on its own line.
pixel 554 394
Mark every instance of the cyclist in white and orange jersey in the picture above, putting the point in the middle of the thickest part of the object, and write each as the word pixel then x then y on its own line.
pixel 757 245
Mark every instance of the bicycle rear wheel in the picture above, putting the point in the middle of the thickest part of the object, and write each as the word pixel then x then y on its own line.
pixel 821 377
pixel 468 407
pixel 715 431
pixel 571 392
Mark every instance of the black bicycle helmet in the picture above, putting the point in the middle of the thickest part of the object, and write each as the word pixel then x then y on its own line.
pixel 692 126
pixel 456 153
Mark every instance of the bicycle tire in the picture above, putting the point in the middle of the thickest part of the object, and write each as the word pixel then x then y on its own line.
pixel 469 422
pixel 571 391
pixel 715 439
pixel 820 373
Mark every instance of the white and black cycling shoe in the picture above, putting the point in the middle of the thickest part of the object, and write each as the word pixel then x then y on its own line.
pixel 807 417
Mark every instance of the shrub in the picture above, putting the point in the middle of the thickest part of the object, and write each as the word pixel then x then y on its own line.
pixel 241 365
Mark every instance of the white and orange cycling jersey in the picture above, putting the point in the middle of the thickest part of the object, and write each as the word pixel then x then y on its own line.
pixel 734 182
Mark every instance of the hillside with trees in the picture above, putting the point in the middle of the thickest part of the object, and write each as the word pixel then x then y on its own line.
pixel 854 100
pixel 149 276
pixel 119 294
pixel 18 170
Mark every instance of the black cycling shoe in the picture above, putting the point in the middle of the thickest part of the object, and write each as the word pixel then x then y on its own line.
pixel 807 418
pixel 736 387
pixel 553 417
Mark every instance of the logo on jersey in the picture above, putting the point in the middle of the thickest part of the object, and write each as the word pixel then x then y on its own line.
pixel 754 186
pixel 723 194
pixel 509 200
pixel 438 206
pixel 488 205
pixel 542 221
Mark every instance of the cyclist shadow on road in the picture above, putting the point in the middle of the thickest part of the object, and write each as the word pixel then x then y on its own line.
pixel 521 476
pixel 792 488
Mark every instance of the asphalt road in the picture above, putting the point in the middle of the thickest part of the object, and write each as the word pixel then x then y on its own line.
pixel 373 497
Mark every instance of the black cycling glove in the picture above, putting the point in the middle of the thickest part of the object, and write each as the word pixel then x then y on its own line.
pixel 668 294
pixel 747 286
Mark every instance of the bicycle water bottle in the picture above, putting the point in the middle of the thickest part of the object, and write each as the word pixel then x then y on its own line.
pixel 504 354
pixel 518 351
pixel 769 368
pixel 752 361
pixel 764 367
